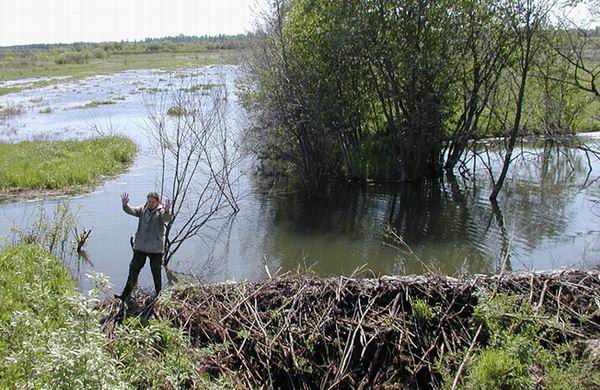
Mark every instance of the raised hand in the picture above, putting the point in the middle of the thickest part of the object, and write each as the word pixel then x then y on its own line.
pixel 125 198
pixel 167 204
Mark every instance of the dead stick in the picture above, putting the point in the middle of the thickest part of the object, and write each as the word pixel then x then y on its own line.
pixel 462 364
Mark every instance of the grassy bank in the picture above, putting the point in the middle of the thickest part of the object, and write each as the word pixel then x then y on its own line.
pixel 63 166
pixel 48 337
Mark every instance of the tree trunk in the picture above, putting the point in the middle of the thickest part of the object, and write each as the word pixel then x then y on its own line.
pixel 513 135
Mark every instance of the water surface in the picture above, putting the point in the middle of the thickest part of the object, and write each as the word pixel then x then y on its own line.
pixel 547 216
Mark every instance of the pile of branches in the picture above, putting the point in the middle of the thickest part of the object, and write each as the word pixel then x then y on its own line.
pixel 297 331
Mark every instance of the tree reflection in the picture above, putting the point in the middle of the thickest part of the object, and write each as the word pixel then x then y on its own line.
pixel 448 223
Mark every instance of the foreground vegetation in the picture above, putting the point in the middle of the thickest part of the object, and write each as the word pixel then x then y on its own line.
pixel 297 331
pixel 50 334
pixel 48 337
pixel 521 331
pixel 62 165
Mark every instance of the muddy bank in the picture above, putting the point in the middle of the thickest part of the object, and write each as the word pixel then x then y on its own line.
pixel 11 195
pixel 394 332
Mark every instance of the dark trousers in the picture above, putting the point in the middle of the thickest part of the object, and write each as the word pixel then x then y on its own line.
pixel 136 265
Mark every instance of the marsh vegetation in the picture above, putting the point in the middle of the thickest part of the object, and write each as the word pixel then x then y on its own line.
pixel 80 60
pixel 62 165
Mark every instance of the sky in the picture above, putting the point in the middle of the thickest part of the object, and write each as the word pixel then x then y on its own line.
pixel 66 21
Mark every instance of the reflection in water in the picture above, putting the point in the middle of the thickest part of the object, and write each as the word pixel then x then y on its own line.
pixel 546 217
pixel 448 223
pixel 349 229
pixel 503 262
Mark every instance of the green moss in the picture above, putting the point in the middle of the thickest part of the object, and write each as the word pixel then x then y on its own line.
pixel 422 310
pixel 46 110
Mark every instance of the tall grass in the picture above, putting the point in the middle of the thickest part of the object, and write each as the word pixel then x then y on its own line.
pixel 49 334
pixel 62 164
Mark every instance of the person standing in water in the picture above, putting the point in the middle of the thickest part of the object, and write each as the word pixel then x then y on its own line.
pixel 149 239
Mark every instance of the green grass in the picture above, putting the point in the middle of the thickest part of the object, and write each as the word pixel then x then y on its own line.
pixel 13 68
pixel 62 165
pixel 38 275
pixel 7 90
pixel 50 336
pixel 204 88
pixel 154 354
pixel 46 110
pixel 175 111
pixel 518 343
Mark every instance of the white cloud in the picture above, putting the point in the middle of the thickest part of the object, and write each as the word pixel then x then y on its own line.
pixel 52 21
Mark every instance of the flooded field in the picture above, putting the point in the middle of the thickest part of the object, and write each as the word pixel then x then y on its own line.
pixel 547 217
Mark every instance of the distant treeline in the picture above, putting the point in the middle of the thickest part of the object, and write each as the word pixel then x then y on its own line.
pixel 168 43
pixel 595 32
pixel 81 52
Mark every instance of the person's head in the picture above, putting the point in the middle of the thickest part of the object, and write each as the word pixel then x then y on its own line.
pixel 153 200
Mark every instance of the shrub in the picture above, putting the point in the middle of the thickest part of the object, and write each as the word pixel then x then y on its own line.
pixel 72 57
pixel 49 333
pixel 11 111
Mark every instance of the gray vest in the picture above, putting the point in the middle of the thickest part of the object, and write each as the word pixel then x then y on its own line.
pixel 150 234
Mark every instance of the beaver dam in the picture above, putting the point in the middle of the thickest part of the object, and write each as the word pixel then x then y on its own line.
pixel 533 330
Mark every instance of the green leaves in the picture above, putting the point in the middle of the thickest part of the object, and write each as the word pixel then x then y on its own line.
pixel 49 333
